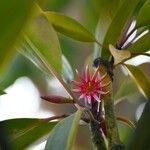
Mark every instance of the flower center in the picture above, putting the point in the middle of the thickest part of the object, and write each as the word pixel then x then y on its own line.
pixel 89 87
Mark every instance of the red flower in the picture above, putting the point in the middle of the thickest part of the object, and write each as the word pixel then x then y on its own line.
pixel 90 87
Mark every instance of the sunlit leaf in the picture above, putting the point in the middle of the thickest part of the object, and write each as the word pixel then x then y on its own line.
pixel 69 27
pixel 13 15
pixel 119 56
pixel 63 135
pixel 101 30
pixel 22 132
pixel 107 10
pixel 123 15
pixel 140 79
pixel 43 39
pixel 142 130
pixel 26 50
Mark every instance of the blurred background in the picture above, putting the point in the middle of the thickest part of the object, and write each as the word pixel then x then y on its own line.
pixel 24 83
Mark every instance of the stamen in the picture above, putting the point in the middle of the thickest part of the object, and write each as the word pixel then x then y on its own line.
pixel 103 77
pixel 103 93
pixel 95 75
pixel 105 85
pixel 98 106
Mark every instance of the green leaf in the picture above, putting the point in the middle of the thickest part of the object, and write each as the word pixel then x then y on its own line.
pixel 21 66
pixel 123 15
pixel 69 27
pixel 63 135
pixel 13 15
pixel 44 41
pixel 127 89
pixel 2 91
pixel 101 30
pixel 107 10
pixel 143 18
pixel 142 130
pixel 140 79
pixel 23 132
pixel 26 50
pixel 67 71
pixel 142 44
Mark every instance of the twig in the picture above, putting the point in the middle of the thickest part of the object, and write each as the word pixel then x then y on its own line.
pixel 58 99
pixel 55 117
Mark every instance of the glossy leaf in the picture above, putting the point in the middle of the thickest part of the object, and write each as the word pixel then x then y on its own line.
pixel 140 79
pixel 143 18
pixel 63 135
pixel 22 132
pixel 69 27
pixel 107 10
pixel 67 71
pixel 43 39
pixel 142 44
pixel 142 130
pixel 101 30
pixel 26 50
pixel 127 89
pixel 118 23
pixel 13 15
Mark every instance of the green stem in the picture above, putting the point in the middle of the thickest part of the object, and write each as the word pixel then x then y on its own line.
pixel 111 125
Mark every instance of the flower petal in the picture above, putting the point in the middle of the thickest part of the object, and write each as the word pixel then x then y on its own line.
pixel 87 74
pixel 89 99
pixel 80 76
pixel 79 84
pixel 96 97
pixel 82 96
pixel 76 90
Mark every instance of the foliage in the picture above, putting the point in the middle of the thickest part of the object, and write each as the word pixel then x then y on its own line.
pixel 38 34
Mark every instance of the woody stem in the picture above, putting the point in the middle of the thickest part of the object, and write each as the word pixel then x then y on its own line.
pixel 97 137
